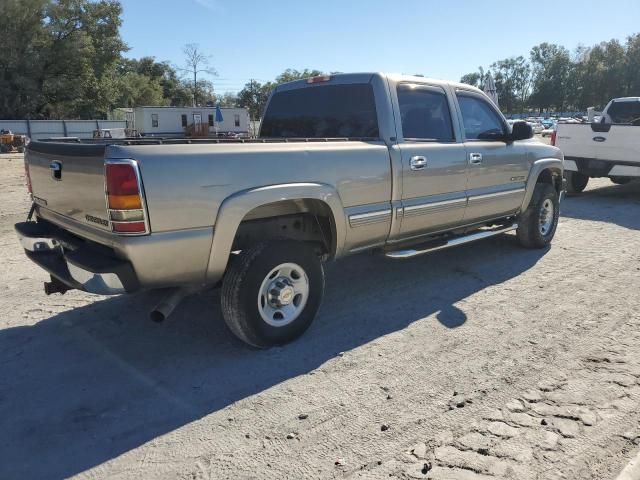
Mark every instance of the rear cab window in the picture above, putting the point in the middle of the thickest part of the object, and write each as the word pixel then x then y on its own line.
pixel 624 112
pixel 323 111
pixel 480 120
pixel 425 114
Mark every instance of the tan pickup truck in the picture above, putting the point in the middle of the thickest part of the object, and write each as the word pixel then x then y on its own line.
pixel 344 163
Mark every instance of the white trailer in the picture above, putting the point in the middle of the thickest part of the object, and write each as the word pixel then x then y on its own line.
pixel 172 121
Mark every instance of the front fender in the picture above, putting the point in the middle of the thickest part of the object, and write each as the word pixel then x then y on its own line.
pixel 234 208
pixel 553 164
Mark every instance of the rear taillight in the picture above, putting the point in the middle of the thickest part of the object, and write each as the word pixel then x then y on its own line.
pixel 124 198
pixel 27 176
pixel 553 137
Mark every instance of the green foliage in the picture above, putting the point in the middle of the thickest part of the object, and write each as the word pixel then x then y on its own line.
pixel 59 57
pixel 555 79
pixel 474 79
pixel 254 95
pixel 229 99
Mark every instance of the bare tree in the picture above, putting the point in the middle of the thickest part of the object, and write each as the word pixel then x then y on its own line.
pixel 196 61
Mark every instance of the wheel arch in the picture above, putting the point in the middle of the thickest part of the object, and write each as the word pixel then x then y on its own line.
pixel 546 170
pixel 267 202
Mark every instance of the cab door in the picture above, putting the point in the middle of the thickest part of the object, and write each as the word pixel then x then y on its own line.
pixel 498 168
pixel 434 167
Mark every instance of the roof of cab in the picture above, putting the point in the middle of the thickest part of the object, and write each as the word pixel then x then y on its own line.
pixel 366 77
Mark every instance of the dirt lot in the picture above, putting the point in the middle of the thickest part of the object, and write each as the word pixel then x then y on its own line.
pixel 488 361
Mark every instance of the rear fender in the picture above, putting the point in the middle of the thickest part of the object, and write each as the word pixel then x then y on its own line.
pixel 234 208
pixel 552 164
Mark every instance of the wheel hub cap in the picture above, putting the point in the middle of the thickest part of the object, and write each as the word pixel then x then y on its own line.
pixel 283 294
pixel 546 216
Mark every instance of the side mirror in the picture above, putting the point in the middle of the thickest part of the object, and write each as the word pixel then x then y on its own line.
pixel 521 131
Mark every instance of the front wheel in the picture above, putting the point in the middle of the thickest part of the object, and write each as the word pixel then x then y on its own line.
pixel 576 182
pixel 272 292
pixel 537 224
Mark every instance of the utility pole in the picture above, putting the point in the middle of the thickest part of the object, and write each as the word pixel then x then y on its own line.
pixel 251 105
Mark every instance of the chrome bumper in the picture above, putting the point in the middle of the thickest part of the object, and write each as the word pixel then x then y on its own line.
pixel 84 268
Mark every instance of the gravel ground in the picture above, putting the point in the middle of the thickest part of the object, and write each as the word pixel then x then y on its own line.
pixel 488 361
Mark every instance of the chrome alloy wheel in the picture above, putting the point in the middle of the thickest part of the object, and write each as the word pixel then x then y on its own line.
pixel 283 294
pixel 546 216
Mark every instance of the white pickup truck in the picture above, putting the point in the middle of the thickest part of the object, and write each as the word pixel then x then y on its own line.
pixel 608 148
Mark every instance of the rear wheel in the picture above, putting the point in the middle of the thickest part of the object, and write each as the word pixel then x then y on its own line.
pixel 576 182
pixel 272 292
pixel 620 180
pixel 537 224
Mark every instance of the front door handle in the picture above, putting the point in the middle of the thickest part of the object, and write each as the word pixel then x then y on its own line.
pixel 418 162
pixel 475 158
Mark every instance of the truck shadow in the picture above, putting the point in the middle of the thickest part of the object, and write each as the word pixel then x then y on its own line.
pixel 87 385
pixel 618 204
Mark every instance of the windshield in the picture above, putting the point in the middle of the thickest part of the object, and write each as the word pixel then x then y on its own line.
pixel 327 111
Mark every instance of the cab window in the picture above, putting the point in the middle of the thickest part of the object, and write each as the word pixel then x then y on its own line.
pixel 425 114
pixel 481 121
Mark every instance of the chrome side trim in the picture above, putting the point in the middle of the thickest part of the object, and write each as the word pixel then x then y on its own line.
pixel 491 196
pixel 369 218
pixel 408 253
pixel 425 208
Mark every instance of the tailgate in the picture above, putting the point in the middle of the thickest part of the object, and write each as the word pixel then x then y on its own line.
pixel 68 178
pixel 618 143
pixel 576 140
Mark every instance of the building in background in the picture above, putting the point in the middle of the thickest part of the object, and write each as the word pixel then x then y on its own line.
pixel 173 121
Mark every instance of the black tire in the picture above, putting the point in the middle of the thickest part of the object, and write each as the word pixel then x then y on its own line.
pixel 576 182
pixel 530 231
pixel 242 284
pixel 620 180
pixel 20 149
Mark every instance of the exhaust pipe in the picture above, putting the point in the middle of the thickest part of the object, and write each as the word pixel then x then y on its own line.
pixel 166 306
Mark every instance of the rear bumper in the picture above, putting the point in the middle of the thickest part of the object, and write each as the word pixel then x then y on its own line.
pixel 601 168
pixel 79 265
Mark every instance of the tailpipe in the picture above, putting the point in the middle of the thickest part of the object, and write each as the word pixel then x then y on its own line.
pixel 168 304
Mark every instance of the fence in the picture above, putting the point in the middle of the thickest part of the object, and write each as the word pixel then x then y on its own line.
pixel 36 129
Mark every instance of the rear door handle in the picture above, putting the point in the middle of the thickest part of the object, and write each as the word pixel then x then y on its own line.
pixel 418 162
pixel 475 158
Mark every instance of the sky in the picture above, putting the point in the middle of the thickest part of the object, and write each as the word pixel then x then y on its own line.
pixel 253 39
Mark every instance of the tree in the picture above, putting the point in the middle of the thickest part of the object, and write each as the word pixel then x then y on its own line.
pixel 254 98
pixel 228 100
pixel 196 62
pixel 135 89
pixel 472 79
pixel 254 95
pixel 551 66
pixel 290 74
pixel 632 65
pixel 59 57
pixel 513 81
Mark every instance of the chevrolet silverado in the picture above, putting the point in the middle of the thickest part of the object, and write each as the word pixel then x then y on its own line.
pixel 344 163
